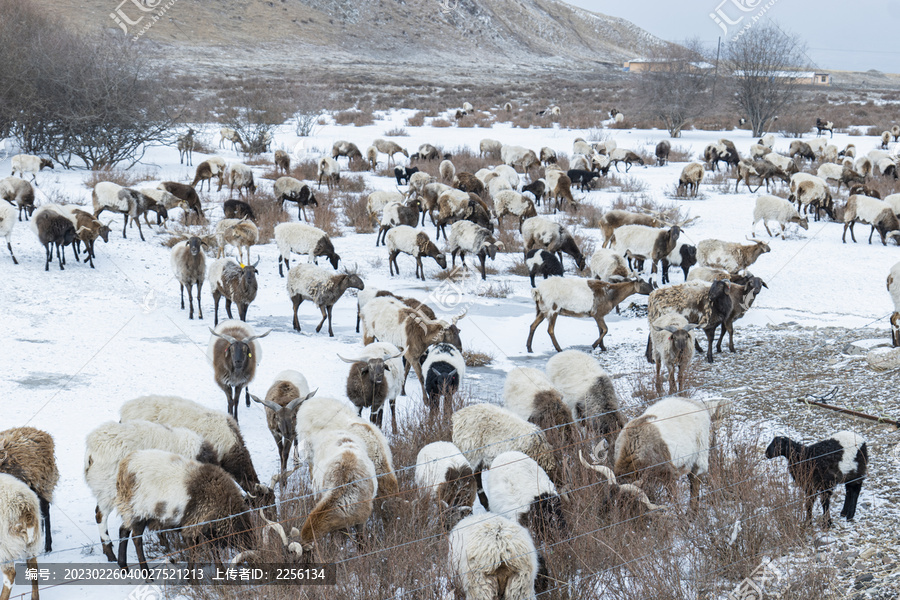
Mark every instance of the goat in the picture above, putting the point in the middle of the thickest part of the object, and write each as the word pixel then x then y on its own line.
pixel 612 220
pixel 541 262
pixel 239 233
pixel 227 133
pixel 53 228
pixel 283 398
pixel 673 348
pixel 374 380
pixel 731 256
pixel 184 192
pixel 309 282
pixel 189 266
pixel 235 354
pixel 236 282
pixel 185 146
pixel 303 239
pixel 538 232
pixel 294 190
pixel 20 531
pixel 19 193
pixel 406 240
pixel 469 237
pixel 209 168
pixel 662 152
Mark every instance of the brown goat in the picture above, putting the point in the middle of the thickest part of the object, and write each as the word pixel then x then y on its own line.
pixel 184 192
pixel 468 183
pixel 283 161
pixel 234 352
pixel 87 230
pixel 205 173
pixel 284 397
pixel 27 454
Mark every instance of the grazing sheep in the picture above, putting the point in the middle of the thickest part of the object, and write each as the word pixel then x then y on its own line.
pixel 539 261
pixel 294 190
pixel 189 266
pixel 20 531
pixel 672 348
pixel 444 474
pixel 684 256
pixel 606 265
pixel 646 243
pixel 886 167
pixel 209 168
pixel 764 170
pixel 731 256
pixel 456 205
pixel 670 439
pixel 530 394
pixel 237 209
pixel 29 163
pixel 131 203
pixel 344 148
pixel 538 189
pixel 184 192
pixel 372 157
pixel 289 390
pixel 329 170
pixel 773 208
pixel 468 183
pixel 364 296
pixel 580 298
pixel 895 132
pixel 402 174
pixel 375 380
pixel 234 354
pixel 227 133
pixel 864 166
pixel 811 191
pixel 447 171
pixel 801 149
pixel 406 240
pixel 87 230
pixel 300 238
pixel 874 212
pixel 538 232
pixel 710 274
pixel 18 192
pixel 757 151
pixel 240 176
pixel 782 162
pixel 822 126
pixel 840 173
pixel 469 237
pixel 689 181
pixel 377 200
pixel 7 222
pixel 236 282
pixel 444 367
pixel 821 467
pixel 626 497
pixel 561 191
pixel 520 158
pixel 548 155
pixel 165 199
pixel 390 148
pixel 893 288
pixel 510 202
pixel 519 489
pixel 309 282
pixel 717 152
pixel 396 214
pixel 239 233
pixel 282 162
pixel 662 152
pixel 848 151
pixel 623 155
pixel 587 390
pixel 27 454
pixel 489 147
pixel 53 228
pixel 580 162
pixel 612 220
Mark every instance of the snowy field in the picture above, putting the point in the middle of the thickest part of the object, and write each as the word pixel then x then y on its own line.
pixel 80 342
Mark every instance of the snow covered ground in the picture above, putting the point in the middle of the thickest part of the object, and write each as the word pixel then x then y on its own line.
pixel 80 342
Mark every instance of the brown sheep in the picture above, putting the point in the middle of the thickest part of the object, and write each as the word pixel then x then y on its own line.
pixel 27 454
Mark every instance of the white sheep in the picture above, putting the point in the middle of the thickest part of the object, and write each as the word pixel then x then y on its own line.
pixel 444 474
pixel 580 162
pixel 767 140
pixel 493 557
pixel 607 265
pixel 18 192
pixel 582 147
pixel 893 288
pixel 404 239
pixel 672 346
pixel 731 256
pixel 519 489
pixel 466 236
pixel 811 191
pixel 587 389
pixel 863 165
pixel 519 157
pixel 301 238
pixel 377 200
pixel 773 208
pixel 646 243
pixel 708 274
pixel 239 233
pixel 511 202
pixel 240 176
pixel 447 171
pixel 529 394
pixel 20 531
pixel 328 169
pixel 7 222
pixel 489 147
pixel 29 163
pixel 690 179
pixel 189 266
pixel 758 151
pixel 874 212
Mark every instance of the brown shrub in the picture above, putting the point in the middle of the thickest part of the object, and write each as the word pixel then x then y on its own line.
pixel 125 178
pixel 354 117
pixel 475 358
pixel 396 132
pixel 356 214
pixel 269 213
pixel 416 120
pixel 441 123
pixel 327 217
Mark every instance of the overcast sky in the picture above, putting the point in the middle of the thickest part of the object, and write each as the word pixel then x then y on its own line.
pixel 849 35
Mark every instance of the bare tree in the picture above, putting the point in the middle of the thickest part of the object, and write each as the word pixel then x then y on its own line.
pixel 255 109
pixel 763 61
pixel 675 89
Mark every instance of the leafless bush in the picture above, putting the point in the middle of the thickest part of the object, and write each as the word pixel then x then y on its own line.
pixel 358 118
pixel 254 112
pixel 794 124
pixel 356 213
pixel 495 289
pixel 327 217
pixel 441 123
pixel 396 132
pixel 673 213
pixel 417 119
pixel 587 216
pixel 475 358
pixel 680 154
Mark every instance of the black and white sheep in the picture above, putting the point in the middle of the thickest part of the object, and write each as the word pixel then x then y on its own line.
pixel 874 212
pixel 443 473
pixel 329 170
pixel 683 255
pixel 28 454
pixel 234 353
pixel 821 467
pixel 538 232
pixel 300 238
pixel 375 379
pixel 396 214
pixel 822 126
pixel 324 289
pixel 53 228
pixel 811 191
pixel 466 236
pixel 18 192
pixel 406 240
pixel 731 256
pixel 131 203
pixel 646 243
pixel 519 489
pixel 672 346
pixel 236 283
pixel 402 174
pixel 444 367
pixel 294 190
pixel 529 394
pixel 588 391
pixel 20 531
pixel 541 262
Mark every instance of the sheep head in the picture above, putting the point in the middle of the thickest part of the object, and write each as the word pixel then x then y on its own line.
pixel 285 416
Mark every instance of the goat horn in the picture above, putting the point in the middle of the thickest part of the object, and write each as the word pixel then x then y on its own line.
pixel 281 477
pixel 257 260
pixel 297 401
pixel 455 319
pixel 393 356
pixel 243 557
pixel 348 360
pixel 227 338
pixel 256 337
pixel 267 403
pixel 277 528
pixel 605 471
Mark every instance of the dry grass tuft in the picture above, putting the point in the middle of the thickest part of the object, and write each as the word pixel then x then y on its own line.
pixel 441 123
pixel 358 118
pixel 268 214
pixel 474 358
pixel 125 178
pixel 396 132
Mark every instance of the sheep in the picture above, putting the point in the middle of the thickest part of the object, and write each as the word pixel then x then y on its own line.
pixel 239 233
pixel 811 191
pixel 184 192
pixel 580 162
pixel 372 157
pixel 28 454
pixel 328 169
pixel 863 165
pixel 237 209
pixel 821 467
pixel 604 147
pixel 185 145
pixel 731 256
pixel 840 173
pixel 801 149
pixel 895 132
pixel 782 162
pixel 374 380
pixel 236 282
pixel 162 490
pixel 18 192
pixel 364 296
pixel 227 133
pixel 587 390
pixel 608 266
pixel 402 174
pixel 131 203
pixel 672 348
pixel 447 171
pixel 234 354
pixel 240 176
pixel 417 183
pixel 758 151
pixel 886 167
pixel 468 183
pixel 282 161
pixel 662 152
pixel 510 202
pixel 29 163
pixel 489 147
pixel 848 151
pixel 309 282
pixel 538 189
pixel 466 236
pixel 670 439
pixel 209 168
pixel 710 274
pixel 165 199
pixel 874 212
pixel 344 148
pixel 395 214
pixel 627 156
pixel 289 390
pixel 392 321
pixel 376 201
pixel 520 158
pixel 444 474
pixel 683 255
pixel 303 239
pixel 529 394
pixel 773 208
pixel 87 230
pixel 110 443
pixel 390 148
pixel 538 232
pixel 689 181
pixel 767 140
pixel 824 126
pixel 721 151
pixel 580 298
pixel 492 557
pixel 444 367
pixel 646 243
pixel 52 228
pixel 612 220
pixel 548 155
pixel 579 146
pixel 539 261
pixel 189 267
pixel 20 531
pixel 7 222
pixel 467 107
pixel 766 171
pixel 294 190
pixel 625 497
pixel 404 239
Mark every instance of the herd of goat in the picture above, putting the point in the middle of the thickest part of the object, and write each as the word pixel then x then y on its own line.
pixel 173 463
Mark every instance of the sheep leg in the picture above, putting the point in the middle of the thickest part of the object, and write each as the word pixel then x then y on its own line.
pixel 124 535
pixel 420 268
pixel 551 326
pixel 297 300
pixel 102 519
pixel 182 300
pixel 481 257
pixel 537 321
pixel 405 368
pixel 710 337
pixel 124 227
pixel 601 326
pixel 330 331
pixel 282 452
pixel 242 311
pixel 228 307
pixel 695 490
pixel 137 534
pixel 45 517
pixel 216 297
pixel 852 489
pixel 9 245
pixel 60 256
pixel 672 387
pixel 852 223
pixel 287 265
pixel 453 258
pixel 322 322
pixel 658 380
pixel 826 507
pixel 9 575
pixel 871 231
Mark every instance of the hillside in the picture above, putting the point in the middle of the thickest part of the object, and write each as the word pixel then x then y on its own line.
pixel 531 35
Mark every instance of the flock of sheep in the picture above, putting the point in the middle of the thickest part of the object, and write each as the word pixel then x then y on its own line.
pixel 170 462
